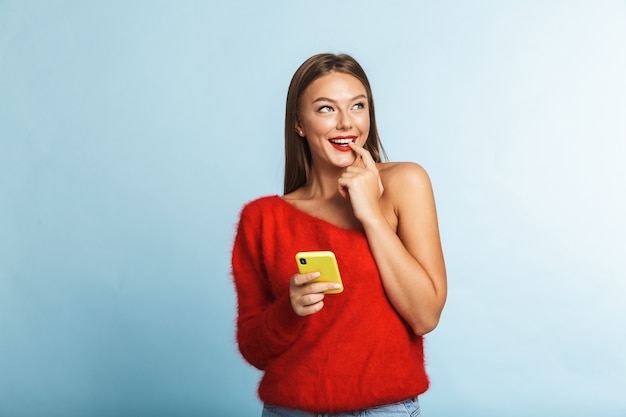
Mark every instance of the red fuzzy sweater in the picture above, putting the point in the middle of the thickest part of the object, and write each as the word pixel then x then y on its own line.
pixel 355 353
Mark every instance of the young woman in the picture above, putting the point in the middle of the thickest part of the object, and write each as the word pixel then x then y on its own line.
pixel 360 350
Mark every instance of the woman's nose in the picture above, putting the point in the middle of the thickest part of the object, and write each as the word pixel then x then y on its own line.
pixel 344 122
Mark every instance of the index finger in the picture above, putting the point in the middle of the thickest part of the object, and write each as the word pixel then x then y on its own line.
pixel 368 161
pixel 301 279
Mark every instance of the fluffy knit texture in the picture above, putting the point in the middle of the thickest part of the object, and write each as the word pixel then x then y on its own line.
pixel 355 353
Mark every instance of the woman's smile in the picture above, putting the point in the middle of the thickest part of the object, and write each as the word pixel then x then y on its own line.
pixel 342 143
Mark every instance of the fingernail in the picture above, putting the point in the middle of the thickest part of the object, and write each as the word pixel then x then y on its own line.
pixel 316 274
pixel 336 286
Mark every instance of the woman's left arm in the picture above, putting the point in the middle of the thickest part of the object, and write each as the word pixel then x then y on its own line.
pixel 409 259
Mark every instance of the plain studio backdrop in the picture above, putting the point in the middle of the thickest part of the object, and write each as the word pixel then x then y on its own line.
pixel 131 133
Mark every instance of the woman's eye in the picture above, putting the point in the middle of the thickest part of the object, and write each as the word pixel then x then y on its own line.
pixel 359 105
pixel 325 109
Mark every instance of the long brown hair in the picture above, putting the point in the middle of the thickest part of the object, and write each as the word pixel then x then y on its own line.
pixel 297 152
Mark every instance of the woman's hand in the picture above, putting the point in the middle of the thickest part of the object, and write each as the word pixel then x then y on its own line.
pixel 362 184
pixel 307 297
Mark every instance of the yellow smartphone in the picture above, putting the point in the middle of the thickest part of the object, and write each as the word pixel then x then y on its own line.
pixel 323 262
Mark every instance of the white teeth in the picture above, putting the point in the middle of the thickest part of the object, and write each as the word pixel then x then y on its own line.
pixel 341 141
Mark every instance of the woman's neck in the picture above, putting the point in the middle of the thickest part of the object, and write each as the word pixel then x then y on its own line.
pixel 322 184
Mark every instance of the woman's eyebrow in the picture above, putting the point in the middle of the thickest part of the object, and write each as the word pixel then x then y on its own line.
pixel 360 96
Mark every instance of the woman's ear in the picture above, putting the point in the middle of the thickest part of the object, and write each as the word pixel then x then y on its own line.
pixel 299 129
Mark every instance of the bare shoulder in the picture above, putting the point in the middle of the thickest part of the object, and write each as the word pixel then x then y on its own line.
pixel 401 176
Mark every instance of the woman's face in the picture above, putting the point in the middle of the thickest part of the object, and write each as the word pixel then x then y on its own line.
pixel 333 112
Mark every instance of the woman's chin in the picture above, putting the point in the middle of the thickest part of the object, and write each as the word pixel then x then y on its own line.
pixel 344 161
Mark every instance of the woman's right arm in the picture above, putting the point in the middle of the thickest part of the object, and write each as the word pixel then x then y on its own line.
pixel 266 326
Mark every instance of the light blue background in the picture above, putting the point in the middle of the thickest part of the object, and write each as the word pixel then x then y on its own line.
pixel 132 132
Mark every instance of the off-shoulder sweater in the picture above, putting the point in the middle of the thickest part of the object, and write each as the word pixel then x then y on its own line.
pixel 357 352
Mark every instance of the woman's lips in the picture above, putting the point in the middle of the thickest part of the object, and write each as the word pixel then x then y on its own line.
pixel 341 143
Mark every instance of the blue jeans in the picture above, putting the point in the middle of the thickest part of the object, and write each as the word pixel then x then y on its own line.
pixel 407 408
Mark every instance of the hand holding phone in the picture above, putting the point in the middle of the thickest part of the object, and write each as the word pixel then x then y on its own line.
pixel 323 262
